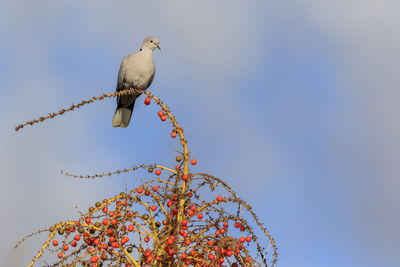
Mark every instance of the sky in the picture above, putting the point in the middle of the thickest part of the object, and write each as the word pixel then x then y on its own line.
pixel 292 103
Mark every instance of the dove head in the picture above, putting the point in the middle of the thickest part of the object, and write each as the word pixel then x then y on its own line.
pixel 150 43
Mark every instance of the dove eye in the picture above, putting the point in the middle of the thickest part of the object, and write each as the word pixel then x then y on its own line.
pixel 151 41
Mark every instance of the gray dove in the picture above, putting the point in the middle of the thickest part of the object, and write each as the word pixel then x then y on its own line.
pixel 136 71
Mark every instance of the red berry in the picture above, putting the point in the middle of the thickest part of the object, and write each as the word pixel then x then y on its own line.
pixel 105 209
pixel 219 198
pixel 114 221
pixel 146 239
pixel 173 134
pixel 163 118
pixel 65 248
pixel 158 172
pixel 183 256
pixel 193 161
pixel 241 239
pixel 55 243
pixel 170 241
pixel 242 228
pixel 105 222
pixel 187 242
pixel 88 220
pixel 211 257
pixel 153 208
pixel 130 228
pixel 147 100
pixel 160 113
pixel 94 259
pixel 155 188
pixel 73 243
pixel 185 177
pixel 190 212
pixel 200 216
pixel 111 214
pixel 223 231
pixel 190 194
pixel 169 203
pixel 139 190
pixel 237 224
pixel 60 255
pixel 248 239
pixel 184 222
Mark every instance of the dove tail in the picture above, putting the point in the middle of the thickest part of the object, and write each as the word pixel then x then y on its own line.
pixel 123 114
pixel 122 117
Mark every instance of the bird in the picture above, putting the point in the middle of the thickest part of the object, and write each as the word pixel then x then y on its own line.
pixel 136 71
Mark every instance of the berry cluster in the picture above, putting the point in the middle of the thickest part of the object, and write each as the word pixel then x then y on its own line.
pixel 176 218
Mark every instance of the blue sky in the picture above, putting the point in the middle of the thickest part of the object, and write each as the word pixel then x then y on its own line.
pixel 294 104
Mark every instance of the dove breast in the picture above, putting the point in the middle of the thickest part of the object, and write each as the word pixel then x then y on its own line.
pixel 140 70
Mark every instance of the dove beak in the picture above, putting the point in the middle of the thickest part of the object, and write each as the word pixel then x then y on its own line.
pixel 158 47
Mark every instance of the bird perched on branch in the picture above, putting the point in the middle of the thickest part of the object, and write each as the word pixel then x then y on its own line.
pixel 136 71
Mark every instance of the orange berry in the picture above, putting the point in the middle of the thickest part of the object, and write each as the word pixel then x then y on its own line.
pixel 147 100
